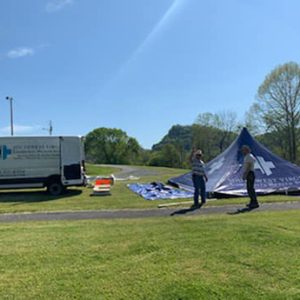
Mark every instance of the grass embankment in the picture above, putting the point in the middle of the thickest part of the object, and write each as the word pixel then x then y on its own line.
pixel 253 256
pixel 120 198
pixel 100 170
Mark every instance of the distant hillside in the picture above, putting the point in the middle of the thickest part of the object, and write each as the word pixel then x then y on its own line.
pixel 177 134
pixel 175 147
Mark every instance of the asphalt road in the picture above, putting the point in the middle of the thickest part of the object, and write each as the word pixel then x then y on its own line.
pixel 127 171
pixel 145 213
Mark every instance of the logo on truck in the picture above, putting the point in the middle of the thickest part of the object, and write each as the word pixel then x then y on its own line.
pixel 4 152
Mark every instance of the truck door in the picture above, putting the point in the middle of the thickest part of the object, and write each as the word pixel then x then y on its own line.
pixel 71 171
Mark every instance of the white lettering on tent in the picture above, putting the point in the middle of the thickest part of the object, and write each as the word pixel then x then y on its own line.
pixel 264 166
pixel 216 165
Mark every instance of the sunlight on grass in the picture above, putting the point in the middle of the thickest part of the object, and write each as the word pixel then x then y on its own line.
pixel 121 197
pixel 93 170
pixel 210 257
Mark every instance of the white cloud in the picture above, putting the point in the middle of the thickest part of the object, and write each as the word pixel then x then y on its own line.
pixel 56 5
pixel 20 52
pixel 20 130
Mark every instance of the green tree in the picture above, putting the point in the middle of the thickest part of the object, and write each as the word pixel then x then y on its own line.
pixel 226 123
pixel 180 139
pixel 253 120
pixel 111 146
pixel 278 100
pixel 168 156
pixel 206 139
pixel 177 135
pixel 275 141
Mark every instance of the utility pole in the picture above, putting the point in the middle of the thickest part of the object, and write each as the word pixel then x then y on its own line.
pixel 50 128
pixel 10 99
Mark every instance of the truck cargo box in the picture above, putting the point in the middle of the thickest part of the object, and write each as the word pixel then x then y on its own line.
pixel 52 162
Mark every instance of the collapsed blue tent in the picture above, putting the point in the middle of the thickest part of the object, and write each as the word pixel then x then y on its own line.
pixel 273 174
pixel 158 191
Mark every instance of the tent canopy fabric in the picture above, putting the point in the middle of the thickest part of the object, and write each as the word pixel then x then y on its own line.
pixel 273 174
pixel 158 191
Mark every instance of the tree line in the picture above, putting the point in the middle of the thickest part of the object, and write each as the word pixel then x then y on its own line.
pixel 273 119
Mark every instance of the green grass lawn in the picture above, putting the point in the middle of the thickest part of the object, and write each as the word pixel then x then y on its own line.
pixel 121 197
pixel 100 170
pixel 248 256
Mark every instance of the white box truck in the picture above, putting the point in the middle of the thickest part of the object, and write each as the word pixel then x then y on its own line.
pixel 34 162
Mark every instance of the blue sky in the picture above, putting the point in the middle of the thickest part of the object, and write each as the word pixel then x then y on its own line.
pixel 138 65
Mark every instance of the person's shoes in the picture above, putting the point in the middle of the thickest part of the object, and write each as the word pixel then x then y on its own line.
pixel 195 206
pixel 252 206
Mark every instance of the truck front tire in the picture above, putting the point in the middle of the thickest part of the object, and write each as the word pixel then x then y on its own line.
pixel 55 188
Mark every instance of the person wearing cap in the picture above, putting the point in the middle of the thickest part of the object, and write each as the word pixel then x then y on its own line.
pixel 199 177
pixel 249 175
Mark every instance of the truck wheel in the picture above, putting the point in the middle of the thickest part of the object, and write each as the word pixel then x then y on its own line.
pixel 55 188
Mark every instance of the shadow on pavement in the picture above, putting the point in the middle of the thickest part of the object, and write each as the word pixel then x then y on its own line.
pixel 184 211
pixel 241 211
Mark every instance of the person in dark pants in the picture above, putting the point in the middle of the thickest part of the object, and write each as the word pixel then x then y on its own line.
pixel 199 177
pixel 249 175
